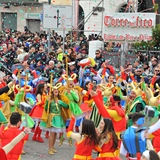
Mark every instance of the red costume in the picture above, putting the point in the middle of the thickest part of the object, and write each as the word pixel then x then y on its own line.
pixel 108 152
pixel 156 140
pixel 2 154
pixel 83 149
pixel 85 106
pixel 37 111
pixel 115 113
pixel 2 84
pixel 124 76
pixel 120 125
pixel 6 136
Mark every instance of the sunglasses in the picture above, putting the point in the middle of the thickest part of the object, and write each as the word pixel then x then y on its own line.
pixel 157 70
pixel 97 53
pixel 139 71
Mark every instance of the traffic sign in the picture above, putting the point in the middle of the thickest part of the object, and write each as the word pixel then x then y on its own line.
pixel 57 17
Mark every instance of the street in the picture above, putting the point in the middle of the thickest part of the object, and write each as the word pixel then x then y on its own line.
pixel 39 151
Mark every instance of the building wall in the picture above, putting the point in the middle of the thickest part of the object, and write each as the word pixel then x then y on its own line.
pixel 20 10
pixel 95 22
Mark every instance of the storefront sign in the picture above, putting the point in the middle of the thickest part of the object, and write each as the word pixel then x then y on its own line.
pixel 32 15
pixel 128 26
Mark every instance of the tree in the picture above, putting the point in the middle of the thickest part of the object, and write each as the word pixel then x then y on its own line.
pixel 156 35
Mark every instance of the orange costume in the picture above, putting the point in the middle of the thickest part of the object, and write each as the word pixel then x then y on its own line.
pixel 108 152
pixel 6 136
pixel 83 149
pixel 37 111
pixel 115 113
pixel 36 114
pixel 87 102
pixel 2 84
pixel 156 140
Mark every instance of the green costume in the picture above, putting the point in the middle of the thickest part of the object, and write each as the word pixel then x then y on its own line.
pixel 55 118
pixel 132 107
pixel 73 105
pixel 2 118
pixel 20 98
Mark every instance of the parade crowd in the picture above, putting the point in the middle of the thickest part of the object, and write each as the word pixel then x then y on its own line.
pixel 65 93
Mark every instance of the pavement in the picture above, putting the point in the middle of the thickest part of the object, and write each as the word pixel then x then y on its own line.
pixel 39 151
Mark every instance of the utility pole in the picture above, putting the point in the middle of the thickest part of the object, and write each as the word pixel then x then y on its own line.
pixel 49 33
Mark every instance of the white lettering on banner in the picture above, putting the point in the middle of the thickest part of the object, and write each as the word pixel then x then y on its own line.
pixel 115 22
pixel 112 37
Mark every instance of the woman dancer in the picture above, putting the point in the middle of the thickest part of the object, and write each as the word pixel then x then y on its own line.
pixel 86 141
pixel 37 111
pixel 108 141
pixel 55 123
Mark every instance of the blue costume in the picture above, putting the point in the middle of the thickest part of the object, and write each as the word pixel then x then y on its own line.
pixel 132 140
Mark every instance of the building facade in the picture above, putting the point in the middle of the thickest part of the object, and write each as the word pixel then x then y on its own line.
pixel 17 15
pixel 87 13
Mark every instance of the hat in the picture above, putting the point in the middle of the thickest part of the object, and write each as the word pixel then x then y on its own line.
pixel 135 88
pixel 136 116
pixel 55 87
pixel 71 78
pixel 71 63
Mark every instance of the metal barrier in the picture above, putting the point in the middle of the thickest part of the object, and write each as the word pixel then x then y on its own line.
pixel 115 58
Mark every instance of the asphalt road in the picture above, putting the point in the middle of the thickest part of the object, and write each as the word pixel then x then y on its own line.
pixel 39 151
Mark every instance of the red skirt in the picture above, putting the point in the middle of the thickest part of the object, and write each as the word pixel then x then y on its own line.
pixel 108 158
pixel 85 108
pixel 80 159
pixel 37 112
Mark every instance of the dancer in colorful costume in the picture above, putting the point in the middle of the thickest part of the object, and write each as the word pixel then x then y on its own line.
pixel 7 134
pixel 106 93
pixel 134 142
pixel 7 148
pixel 135 103
pixel 73 93
pixel 114 112
pixel 55 123
pixel 86 141
pixel 37 111
pixel 108 141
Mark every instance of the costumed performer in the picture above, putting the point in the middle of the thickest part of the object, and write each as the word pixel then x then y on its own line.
pixel 3 93
pixel 9 133
pixel 133 139
pixel 114 111
pixel 87 101
pixel 86 141
pixel 37 111
pixel 104 95
pixel 7 148
pixel 108 141
pixel 73 93
pixel 135 103
pixel 55 123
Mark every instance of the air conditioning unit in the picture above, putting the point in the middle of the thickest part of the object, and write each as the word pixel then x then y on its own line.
pixel 43 1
